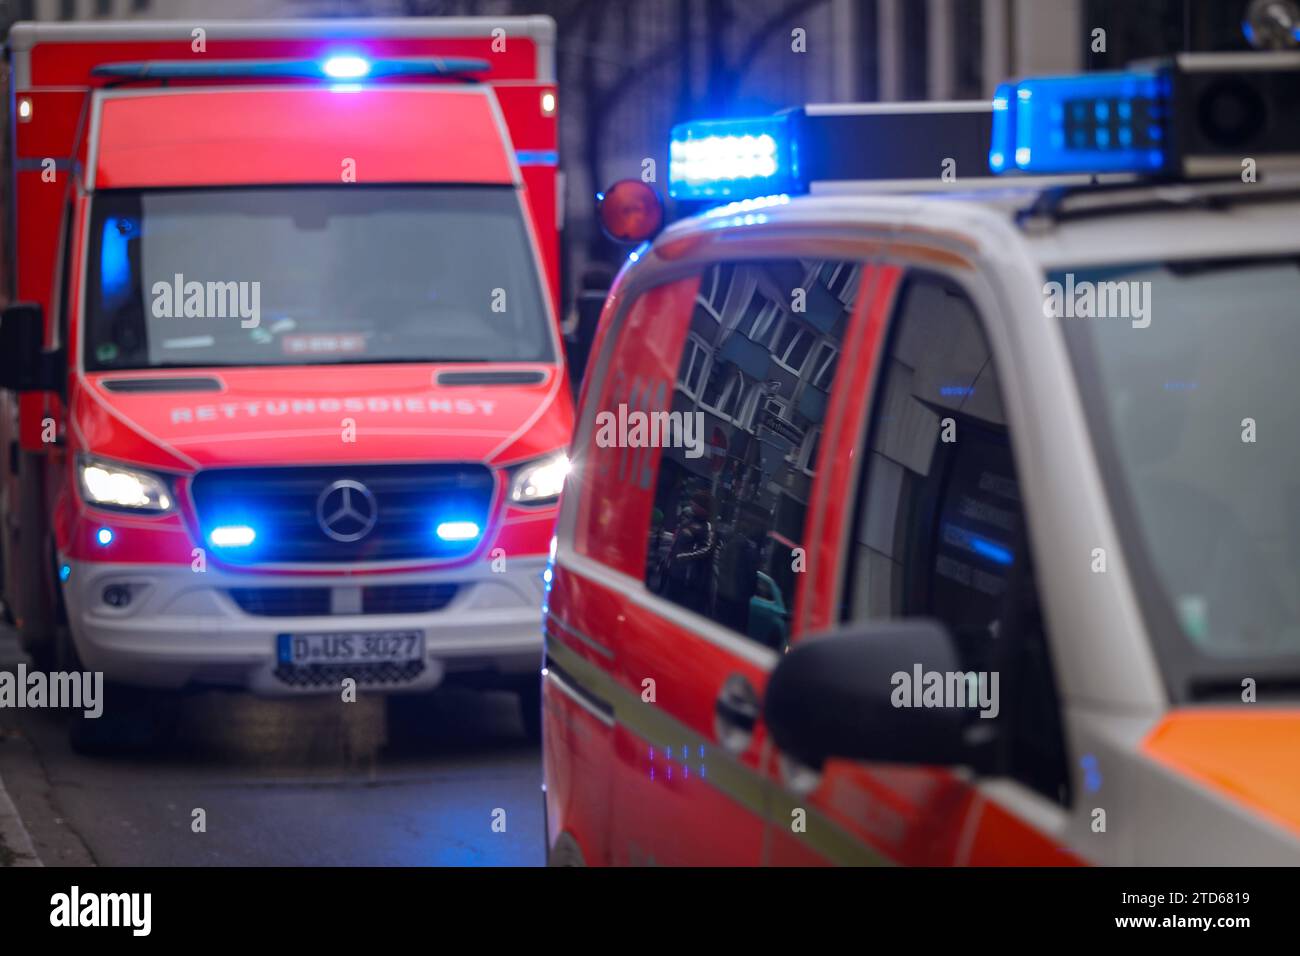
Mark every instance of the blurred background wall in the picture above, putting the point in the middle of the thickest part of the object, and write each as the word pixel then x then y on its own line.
pixel 629 69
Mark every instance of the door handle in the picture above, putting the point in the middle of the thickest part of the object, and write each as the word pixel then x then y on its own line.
pixel 735 713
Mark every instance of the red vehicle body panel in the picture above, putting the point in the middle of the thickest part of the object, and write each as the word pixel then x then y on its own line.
pixel 657 787
pixel 641 801
pixel 614 503
pixel 390 136
pixel 396 409
pixel 258 418
pixel 828 526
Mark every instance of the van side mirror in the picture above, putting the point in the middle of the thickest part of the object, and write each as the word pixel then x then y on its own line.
pixel 25 366
pixel 851 694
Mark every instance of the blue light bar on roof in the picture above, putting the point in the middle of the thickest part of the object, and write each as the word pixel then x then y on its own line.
pixel 732 159
pixel 340 66
pixel 1094 123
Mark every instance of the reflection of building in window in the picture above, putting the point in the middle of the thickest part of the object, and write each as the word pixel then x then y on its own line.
pixel 714 288
pixel 807 459
pixel 823 365
pixel 760 372
pixel 694 362
pixel 792 344
pixel 759 317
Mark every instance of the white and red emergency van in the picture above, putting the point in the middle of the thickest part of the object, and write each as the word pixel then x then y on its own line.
pixel 940 519
pixel 293 402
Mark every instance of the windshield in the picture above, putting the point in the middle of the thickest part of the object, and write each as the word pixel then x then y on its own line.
pixel 1192 393
pixel 241 277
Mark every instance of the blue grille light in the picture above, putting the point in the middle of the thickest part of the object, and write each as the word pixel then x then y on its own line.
pixel 232 536
pixel 346 67
pixel 732 159
pixel 104 536
pixel 457 530
pixel 1095 123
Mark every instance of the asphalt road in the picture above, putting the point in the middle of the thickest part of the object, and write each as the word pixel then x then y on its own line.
pixel 296 783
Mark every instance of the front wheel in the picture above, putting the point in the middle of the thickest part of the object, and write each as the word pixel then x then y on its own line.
pixel 35 604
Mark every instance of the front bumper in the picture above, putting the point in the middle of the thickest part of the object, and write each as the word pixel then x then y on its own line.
pixel 183 627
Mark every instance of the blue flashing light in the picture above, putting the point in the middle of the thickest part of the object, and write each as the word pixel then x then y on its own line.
pixel 960 537
pixel 537 157
pixel 458 530
pixel 988 549
pixel 114 258
pixel 1095 123
pixel 65 572
pixel 732 159
pixel 346 67
pixel 1091 772
pixel 1002 131
pixel 104 536
pixel 232 536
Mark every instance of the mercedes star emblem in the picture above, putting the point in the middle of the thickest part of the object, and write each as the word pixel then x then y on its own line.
pixel 346 510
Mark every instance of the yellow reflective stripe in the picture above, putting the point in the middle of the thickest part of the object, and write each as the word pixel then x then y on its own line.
pixel 823 835
pixel 746 787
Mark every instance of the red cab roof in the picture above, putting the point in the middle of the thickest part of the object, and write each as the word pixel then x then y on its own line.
pixel 450 134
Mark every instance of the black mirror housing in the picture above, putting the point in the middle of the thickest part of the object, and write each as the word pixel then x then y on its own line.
pixel 25 366
pixel 850 694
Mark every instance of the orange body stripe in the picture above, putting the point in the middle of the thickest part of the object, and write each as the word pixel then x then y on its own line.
pixel 1251 758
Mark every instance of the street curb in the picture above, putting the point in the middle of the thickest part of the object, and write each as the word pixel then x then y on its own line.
pixel 15 842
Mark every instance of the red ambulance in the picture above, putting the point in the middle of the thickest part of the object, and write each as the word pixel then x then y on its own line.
pixel 292 405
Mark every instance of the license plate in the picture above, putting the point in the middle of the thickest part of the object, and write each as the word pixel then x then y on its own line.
pixel 356 647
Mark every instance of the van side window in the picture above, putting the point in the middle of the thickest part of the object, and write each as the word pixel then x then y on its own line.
pixel 939 529
pixel 729 512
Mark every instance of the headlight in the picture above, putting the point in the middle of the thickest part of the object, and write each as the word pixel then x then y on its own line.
pixel 541 480
pixel 114 486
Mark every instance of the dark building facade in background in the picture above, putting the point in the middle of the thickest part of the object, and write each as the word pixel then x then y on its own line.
pixel 629 69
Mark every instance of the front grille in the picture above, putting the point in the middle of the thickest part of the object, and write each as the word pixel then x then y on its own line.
pixel 282 602
pixel 406 598
pixel 320 675
pixel 280 504
pixel 375 599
